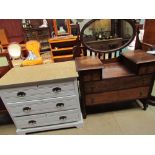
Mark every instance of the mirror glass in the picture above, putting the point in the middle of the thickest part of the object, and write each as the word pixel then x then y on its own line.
pixel 107 34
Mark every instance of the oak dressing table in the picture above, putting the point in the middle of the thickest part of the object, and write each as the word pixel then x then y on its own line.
pixel 113 75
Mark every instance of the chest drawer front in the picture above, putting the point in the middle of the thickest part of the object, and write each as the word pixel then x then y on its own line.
pixel 39 92
pixel 47 119
pixel 41 106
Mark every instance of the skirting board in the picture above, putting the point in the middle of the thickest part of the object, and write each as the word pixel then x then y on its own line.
pixel 77 124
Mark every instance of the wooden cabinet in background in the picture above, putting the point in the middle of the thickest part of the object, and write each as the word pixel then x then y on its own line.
pixel 62 47
pixel 40 34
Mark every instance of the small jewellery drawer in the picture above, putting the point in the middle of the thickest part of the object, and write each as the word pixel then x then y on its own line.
pixel 39 92
pixel 47 119
pixel 42 106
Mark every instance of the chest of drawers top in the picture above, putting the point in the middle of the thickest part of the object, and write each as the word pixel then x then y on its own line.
pixel 38 74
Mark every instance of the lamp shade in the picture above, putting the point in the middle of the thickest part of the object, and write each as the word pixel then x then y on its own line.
pixel 14 50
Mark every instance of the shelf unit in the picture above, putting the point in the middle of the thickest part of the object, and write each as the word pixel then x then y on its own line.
pixel 62 47
pixel 40 34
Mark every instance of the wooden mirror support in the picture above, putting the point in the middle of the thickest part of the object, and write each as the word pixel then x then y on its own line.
pixel 148 43
pixel 117 75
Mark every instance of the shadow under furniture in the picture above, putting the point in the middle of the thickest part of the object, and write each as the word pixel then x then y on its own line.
pixel 112 75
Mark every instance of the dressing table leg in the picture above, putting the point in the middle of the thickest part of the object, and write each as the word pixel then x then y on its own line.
pixel 145 103
pixel 152 100
pixel 83 109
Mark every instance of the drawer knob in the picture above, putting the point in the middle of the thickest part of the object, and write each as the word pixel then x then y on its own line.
pixel 21 94
pixel 56 89
pixel 59 105
pixel 26 109
pixel 62 117
pixel 32 122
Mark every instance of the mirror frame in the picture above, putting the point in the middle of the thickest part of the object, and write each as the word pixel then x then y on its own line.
pixel 130 21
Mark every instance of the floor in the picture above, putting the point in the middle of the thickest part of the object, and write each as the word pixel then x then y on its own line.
pixel 116 119
pixel 119 120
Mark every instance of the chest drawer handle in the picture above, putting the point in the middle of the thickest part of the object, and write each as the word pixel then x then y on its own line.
pixel 56 89
pixel 32 122
pixel 26 109
pixel 21 94
pixel 59 105
pixel 62 117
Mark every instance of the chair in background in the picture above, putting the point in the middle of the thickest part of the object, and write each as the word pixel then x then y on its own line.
pixel 34 47
pixel 3 38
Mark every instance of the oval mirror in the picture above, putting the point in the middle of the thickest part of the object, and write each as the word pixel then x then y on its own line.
pixel 105 35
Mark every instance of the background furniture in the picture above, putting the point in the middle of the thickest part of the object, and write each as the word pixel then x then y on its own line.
pixel 148 43
pixel 3 38
pixel 62 47
pixel 40 34
pixel 114 75
pixel 44 102
pixel 61 27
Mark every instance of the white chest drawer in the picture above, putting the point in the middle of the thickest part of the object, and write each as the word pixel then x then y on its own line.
pixel 23 94
pixel 33 121
pixel 42 106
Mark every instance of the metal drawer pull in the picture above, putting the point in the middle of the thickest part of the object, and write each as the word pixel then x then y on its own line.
pixel 26 109
pixel 56 89
pixel 62 117
pixel 59 105
pixel 32 122
pixel 21 94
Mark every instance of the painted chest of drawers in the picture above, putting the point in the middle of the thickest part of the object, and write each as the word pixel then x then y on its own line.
pixel 42 97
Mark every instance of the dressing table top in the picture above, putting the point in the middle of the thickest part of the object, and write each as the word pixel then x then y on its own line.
pixel 88 63
pixel 139 56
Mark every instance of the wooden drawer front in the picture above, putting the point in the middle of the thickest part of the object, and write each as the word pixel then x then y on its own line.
pixel 117 96
pixel 41 106
pixel 91 75
pixel 146 68
pixel 35 93
pixel 47 119
pixel 116 84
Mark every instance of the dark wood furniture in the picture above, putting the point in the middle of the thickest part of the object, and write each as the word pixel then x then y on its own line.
pixel 148 44
pixel 127 76
pixel 40 34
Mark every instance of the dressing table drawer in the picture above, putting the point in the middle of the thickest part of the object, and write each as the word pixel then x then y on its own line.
pixel 42 106
pixel 117 96
pixel 33 121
